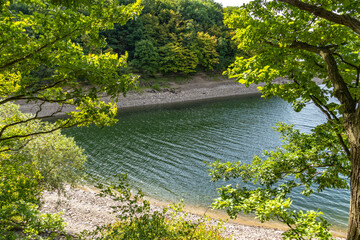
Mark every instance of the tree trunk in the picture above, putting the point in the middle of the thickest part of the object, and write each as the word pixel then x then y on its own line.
pixel 354 213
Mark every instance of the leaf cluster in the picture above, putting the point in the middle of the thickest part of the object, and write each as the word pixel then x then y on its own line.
pixel 42 40
pixel 310 162
pixel 28 166
pixel 300 41
pixel 135 220
pixel 284 41
pixel 19 203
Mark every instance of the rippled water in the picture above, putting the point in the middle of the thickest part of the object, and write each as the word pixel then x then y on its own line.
pixel 163 149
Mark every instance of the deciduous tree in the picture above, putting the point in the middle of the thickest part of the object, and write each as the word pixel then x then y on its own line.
pixel 41 63
pixel 43 38
pixel 176 58
pixel 205 46
pixel 301 40
pixel 28 166
pixel 146 57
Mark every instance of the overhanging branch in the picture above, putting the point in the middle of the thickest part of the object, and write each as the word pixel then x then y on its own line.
pixel 62 126
pixel 331 116
pixel 23 96
pixel 346 62
pixel 344 20
pixel 35 117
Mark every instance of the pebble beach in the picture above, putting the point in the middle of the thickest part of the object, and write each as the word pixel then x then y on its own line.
pixel 83 210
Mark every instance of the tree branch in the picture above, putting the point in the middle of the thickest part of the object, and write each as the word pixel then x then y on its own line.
pixel 17 149
pixel 341 90
pixel 344 20
pixel 318 64
pixel 63 126
pixel 330 116
pixel 305 46
pixel 36 116
pixel 22 96
pixel 346 62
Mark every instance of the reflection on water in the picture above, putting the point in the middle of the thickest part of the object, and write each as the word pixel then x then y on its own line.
pixel 163 150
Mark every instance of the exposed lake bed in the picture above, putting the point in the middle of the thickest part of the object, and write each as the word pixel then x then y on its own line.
pixel 213 139
pixel 83 210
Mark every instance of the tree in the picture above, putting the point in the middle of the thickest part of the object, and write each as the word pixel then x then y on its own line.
pixel 43 38
pixel 176 58
pixel 146 57
pixel 205 47
pixel 166 22
pixel 300 40
pixel 35 163
pixel 41 63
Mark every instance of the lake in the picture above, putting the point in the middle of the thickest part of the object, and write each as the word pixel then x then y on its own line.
pixel 163 149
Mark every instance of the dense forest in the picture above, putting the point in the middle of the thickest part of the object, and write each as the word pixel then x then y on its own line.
pixel 168 37
pixel 174 36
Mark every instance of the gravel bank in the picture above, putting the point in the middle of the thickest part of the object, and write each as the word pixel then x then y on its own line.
pixel 198 88
pixel 83 210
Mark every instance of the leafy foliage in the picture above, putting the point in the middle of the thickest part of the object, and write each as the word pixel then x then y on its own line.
pixel 41 64
pixel 146 57
pixel 27 167
pixel 136 221
pixel 56 157
pixel 301 41
pixel 206 49
pixel 19 203
pixel 41 38
pixel 309 162
pixel 172 29
pixel 176 58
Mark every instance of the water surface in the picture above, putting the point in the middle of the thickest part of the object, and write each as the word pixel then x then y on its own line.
pixel 163 149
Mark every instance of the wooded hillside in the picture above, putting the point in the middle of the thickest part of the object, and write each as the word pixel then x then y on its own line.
pixel 174 36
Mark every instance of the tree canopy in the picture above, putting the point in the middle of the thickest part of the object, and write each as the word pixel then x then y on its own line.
pixel 42 40
pixel 184 36
pixel 42 63
pixel 300 40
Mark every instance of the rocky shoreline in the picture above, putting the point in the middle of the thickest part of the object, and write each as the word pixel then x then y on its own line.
pixel 198 88
pixel 83 210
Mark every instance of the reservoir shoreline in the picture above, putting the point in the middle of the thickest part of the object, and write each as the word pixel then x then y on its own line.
pixel 199 88
pixel 83 210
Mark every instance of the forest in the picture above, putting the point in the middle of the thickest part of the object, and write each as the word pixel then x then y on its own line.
pixel 176 36
pixel 71 53
pixel 167 37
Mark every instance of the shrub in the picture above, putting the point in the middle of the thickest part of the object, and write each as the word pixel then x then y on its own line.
pixel 29 164
pixel 20 194
pixel 135 220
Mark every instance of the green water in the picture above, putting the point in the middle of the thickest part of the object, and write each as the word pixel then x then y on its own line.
pixel 163 149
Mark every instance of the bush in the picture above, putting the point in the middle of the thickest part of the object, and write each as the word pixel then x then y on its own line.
pixel 135 221
pixel 30 163
pixel 156 87
pixel 20 194
pixel 56 157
